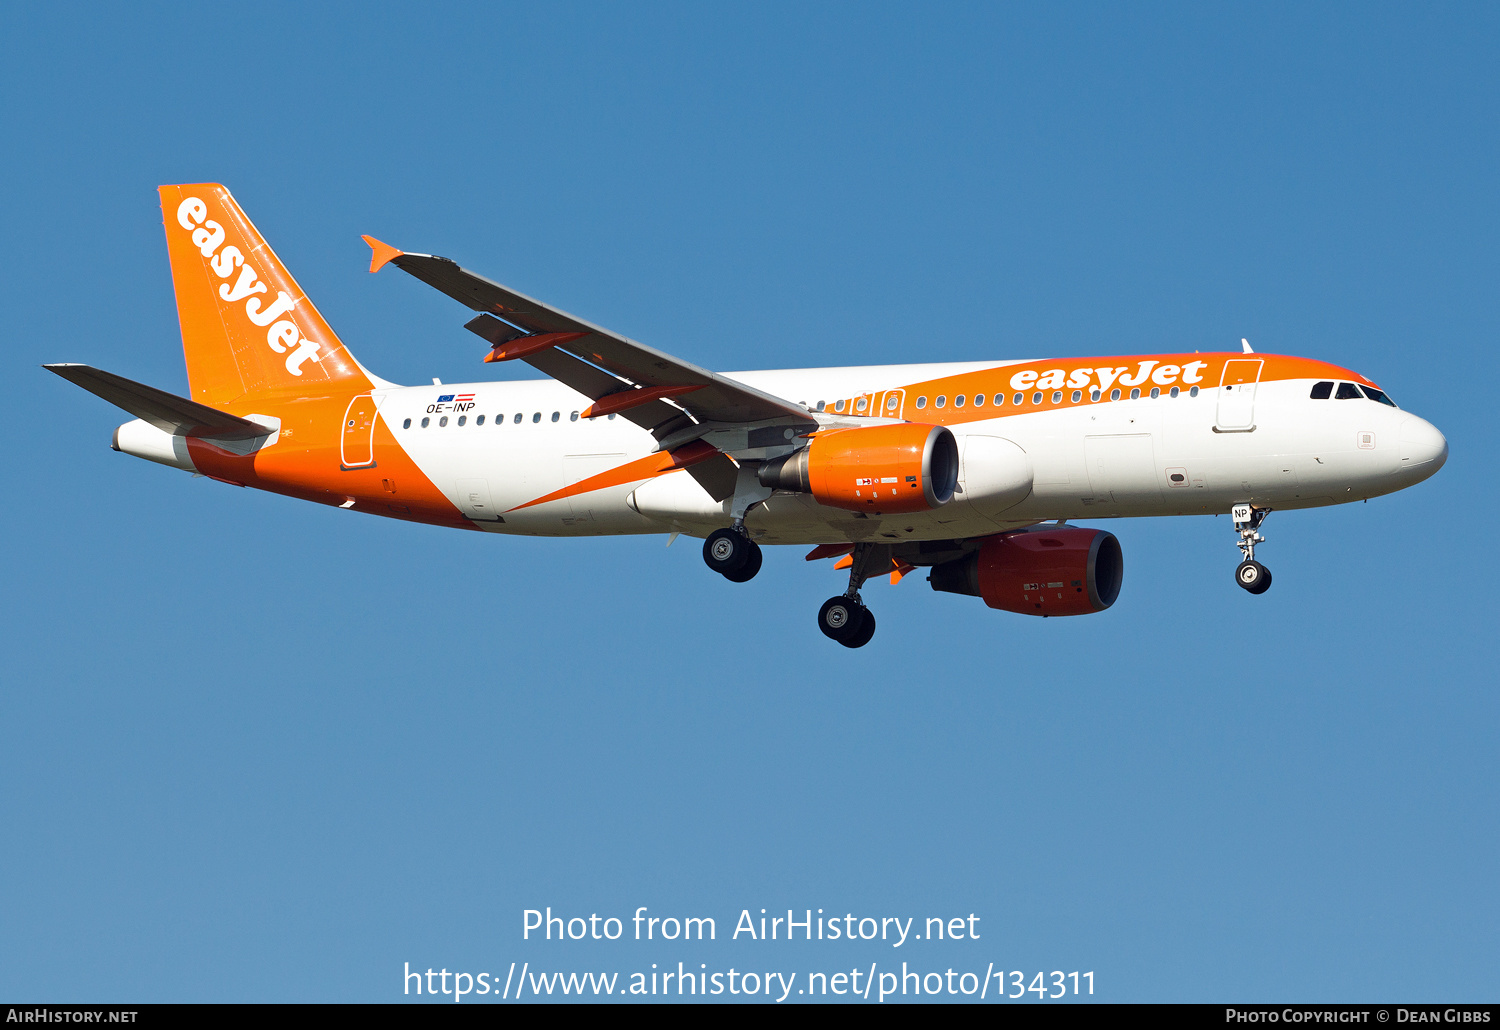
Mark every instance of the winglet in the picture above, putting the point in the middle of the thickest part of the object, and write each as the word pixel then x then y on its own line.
pixel 381 254
pixel 1247 346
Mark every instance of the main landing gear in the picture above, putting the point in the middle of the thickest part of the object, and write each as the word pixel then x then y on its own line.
pixel 732 554
pixel 1251 574
pixel 845 618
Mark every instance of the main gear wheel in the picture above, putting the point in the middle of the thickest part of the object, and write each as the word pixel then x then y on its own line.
pixel 847 621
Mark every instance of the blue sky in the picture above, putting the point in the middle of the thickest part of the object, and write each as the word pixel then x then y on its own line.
pixel 262 750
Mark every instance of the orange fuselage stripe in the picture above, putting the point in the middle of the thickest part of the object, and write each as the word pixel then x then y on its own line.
pixel 650 466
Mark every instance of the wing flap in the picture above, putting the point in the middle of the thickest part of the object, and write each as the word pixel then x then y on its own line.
pixel 595 382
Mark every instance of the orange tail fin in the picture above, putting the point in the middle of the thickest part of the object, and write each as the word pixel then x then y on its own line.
pixel 248 330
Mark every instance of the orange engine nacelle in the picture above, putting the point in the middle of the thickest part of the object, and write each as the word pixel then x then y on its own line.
pixel 879 469
pixel 1063 571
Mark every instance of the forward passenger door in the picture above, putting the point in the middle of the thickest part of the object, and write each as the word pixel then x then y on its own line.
pixel 1236 411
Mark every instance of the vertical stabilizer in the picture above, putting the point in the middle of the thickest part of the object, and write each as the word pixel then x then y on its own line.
pixel 248 330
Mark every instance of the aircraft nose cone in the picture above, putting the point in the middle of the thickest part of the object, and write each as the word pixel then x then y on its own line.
pixel 1423 448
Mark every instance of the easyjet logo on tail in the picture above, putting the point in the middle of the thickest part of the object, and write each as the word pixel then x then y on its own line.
pixel 282 334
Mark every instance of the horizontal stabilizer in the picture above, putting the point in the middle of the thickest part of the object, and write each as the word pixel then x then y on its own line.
pixel 166 411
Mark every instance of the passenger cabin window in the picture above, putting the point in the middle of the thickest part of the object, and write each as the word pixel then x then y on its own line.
pixel 479 421
pixel 517 419
pixel 1193 392
pixel 1056 396
pixel 442 421
pixel 1321 391
pixel 1135 394
pixel 1175 391
pixel 999 399
pixel 838 406
pixel 406 424
pixel 1077 396
pixel 573 417
pixel 536 416
pixel 1114 395
pixel 1095 395
pixel 425 422
pixel 1348 392
pixel 1378 396
pixel 1018 398
pixel 921 402
pixel 942 400
pixel 979 400
pixel 556 415
pixel 1036 398
pixel 462 419
pixel 958 401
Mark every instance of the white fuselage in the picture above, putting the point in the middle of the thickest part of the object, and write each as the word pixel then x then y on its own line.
pixel 1105 459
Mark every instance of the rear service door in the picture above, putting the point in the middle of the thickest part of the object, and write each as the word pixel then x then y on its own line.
pixel 1237 395
pixel 357 450
pixel 474 500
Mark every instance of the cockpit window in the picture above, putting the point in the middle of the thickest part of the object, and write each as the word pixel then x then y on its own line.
pixel 1376 395
pixel 1322 391
pixel 1348 392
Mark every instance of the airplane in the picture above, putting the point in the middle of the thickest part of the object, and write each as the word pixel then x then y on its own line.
pixel 972 470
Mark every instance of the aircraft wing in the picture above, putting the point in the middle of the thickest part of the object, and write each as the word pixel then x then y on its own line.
pixel 166 411
pixel 578 361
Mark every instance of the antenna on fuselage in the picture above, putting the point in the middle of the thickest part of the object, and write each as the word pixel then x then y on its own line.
pixel 1248 348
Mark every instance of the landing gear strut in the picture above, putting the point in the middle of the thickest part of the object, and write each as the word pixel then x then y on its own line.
pixel 845 618
pixel 732 554
pixel 1251 574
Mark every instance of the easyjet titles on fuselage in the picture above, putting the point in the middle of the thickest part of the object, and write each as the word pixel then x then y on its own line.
pixel 1082 378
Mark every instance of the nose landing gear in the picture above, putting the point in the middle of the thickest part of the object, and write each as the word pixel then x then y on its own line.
pixel 845 618
pixel 1251 574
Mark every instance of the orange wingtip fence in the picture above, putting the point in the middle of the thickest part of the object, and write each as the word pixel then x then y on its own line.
pixel 381 254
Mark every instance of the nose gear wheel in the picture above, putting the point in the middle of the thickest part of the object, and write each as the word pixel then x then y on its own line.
pixel 1253 576
pixel 1250 574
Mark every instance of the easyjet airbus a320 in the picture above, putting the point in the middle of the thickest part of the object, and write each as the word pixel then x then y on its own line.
pixel 970 469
